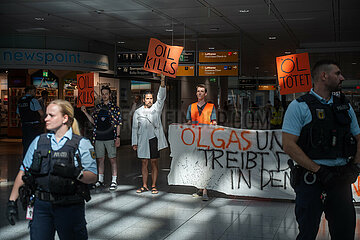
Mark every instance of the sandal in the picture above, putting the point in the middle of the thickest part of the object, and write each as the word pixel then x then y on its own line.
pixel 154 190
pixel 142 189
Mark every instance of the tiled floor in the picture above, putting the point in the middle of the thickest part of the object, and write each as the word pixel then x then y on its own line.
pixel 172 214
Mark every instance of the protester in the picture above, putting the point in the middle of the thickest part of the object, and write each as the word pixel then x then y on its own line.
pixel 148 136
pixel 201 112
pixel 106 136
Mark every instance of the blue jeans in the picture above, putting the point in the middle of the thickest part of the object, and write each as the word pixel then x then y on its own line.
pixel 69 221
pixel 338 207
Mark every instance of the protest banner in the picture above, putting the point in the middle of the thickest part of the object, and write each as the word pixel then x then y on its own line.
pixel 294 74
pixel 232 161
pixel 85 86
pixel 162 58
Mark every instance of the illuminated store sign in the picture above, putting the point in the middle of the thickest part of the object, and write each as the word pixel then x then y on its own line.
pixel 52 59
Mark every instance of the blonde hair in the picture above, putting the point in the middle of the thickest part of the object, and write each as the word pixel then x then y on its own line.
pixel 67 109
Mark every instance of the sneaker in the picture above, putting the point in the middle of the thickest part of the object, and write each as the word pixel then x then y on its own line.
pixel 98 184
pixel 113 186
pixel 199 193
pixel 205 197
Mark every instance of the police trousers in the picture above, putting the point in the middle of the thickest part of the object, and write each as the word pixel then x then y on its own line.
pixel 337 205
pixel 68 221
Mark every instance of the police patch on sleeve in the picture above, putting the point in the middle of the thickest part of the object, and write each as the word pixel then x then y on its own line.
pixel 92 153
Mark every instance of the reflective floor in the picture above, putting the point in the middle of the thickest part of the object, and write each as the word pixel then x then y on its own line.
pixel 171 214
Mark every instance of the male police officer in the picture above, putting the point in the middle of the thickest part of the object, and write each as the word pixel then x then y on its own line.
pixel 319 133
pixel 31 115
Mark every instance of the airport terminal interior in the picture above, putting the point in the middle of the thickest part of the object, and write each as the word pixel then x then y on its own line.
pixel 236 48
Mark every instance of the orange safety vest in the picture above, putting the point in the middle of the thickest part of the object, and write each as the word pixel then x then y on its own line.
pixel 204 118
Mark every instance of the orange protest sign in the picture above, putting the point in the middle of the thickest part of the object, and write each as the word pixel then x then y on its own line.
pixel 85 86
pixel 294 73
pixel 162 58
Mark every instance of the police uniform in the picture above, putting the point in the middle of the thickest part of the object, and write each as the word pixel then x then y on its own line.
pixel 201 115
pixel 62 210
pixel 325 130
pixel 28 108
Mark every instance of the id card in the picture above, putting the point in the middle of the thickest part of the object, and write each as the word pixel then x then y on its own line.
pixel 29 212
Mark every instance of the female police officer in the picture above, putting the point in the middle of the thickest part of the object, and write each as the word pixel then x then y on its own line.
pixel 62 163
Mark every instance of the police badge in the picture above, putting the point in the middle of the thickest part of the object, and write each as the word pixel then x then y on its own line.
pixel 320 113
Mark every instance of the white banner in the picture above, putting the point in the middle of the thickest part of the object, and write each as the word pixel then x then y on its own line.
pixel 232 161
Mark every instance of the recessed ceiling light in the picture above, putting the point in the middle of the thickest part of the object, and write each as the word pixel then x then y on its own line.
pixel 257 68
pixel 353 63
pixel 272 38
pixel 121 42
pixel 211 48
pixel 168 30
pixel 214 29
pixel 39 19
pixel 244 11
pixel 287 52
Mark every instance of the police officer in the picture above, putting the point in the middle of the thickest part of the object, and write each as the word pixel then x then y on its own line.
pixel 320 131
pixel 203 113
pixel 31 115
pixel 61 163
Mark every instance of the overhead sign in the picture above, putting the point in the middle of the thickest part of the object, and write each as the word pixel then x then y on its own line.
pixel 131 57
pixel 162 58
pixel 187 57
pixel 52 59
pixel 85 86
pixel 218 70
pixel 233 161
pixel 132 71
pixel 294 74
pixel 218 56
pixel 185 70
pixel 266 87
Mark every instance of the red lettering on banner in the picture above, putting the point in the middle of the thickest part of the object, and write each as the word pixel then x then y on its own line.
pixel 220 140
pixel 237 140
pixel 246 140
pixel 182 136
pixel 199 139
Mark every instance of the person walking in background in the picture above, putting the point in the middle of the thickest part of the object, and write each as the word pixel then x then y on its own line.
pixel 107 121
pixel 201 112
pixel 31 115
pixel 276 115
pixel 59 164
pixel 148 136
pixel 321 134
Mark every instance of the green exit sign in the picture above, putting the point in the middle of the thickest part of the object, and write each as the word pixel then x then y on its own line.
pixel 212 79
pixel 45 74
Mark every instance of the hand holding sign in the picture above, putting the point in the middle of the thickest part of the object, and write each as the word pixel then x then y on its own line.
pixel 162 58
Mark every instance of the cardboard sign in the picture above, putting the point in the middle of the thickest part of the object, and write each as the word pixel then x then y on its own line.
pixel 162 58
pixel 85 86
pixel 294 73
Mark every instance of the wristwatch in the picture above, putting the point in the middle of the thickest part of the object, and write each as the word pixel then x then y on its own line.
pixel 81 174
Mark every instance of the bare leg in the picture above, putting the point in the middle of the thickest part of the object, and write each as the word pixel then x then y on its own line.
pixel 144 171
pixel 154 171
pixel 101 165
pixel 113 166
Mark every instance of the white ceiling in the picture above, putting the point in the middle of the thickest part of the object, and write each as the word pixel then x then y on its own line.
pixel 325 28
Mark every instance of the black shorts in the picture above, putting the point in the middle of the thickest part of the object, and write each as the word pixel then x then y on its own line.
pixel 154 152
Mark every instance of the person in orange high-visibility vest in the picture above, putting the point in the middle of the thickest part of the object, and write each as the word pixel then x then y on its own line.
pixel 198 113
